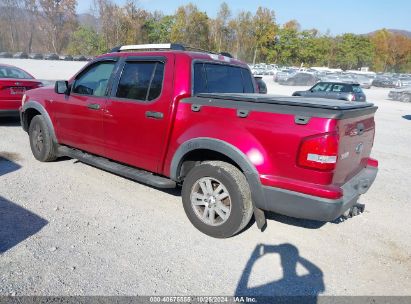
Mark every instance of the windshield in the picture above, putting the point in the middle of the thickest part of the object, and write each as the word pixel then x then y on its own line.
pixel 221 78
pixel 13 72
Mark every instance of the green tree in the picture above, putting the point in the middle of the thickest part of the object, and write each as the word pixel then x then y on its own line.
pixel 191 27
pixel 287 47
pixel 242 36
pixel 380 40
pixel 133 20
pixel 86 41
pixel 220 32
pixel 158 28
pixel 353 51
pixel 59 19
pixel 265 29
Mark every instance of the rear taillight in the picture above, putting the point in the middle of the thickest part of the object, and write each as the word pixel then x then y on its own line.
pixel 23 99
pixel 319 152
pixel 372 162
pixel 351 97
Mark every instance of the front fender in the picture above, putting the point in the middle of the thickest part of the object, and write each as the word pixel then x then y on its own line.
pixel 32 104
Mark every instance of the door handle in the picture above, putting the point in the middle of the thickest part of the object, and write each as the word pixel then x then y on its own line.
pixel 155 115
pixel 93 106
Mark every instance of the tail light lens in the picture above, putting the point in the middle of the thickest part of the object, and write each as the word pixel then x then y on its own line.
pixel 319 152
pixel 23 99
pixel 372 162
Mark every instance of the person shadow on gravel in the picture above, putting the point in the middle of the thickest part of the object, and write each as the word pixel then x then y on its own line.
pixel 291 287
pixel 17 224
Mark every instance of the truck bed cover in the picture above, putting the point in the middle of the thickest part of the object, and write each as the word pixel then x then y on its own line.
pixel 322 103
pixel 296 105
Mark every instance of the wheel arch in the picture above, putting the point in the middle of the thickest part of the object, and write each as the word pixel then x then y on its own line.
pixel 31 109
pixel 228 153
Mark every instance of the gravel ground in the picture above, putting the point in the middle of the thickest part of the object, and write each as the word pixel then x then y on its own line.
pixel 67 228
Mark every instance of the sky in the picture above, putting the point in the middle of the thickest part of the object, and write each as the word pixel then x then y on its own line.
pixel 353 16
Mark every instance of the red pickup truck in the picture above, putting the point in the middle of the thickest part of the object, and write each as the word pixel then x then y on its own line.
pixel 165 115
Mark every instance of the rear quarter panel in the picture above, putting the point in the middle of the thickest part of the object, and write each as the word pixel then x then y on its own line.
pixel 269 140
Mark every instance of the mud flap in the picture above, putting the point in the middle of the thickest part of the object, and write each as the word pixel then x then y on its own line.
pixel 260 219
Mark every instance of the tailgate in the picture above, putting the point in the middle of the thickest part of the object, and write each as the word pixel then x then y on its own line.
pixel 356 137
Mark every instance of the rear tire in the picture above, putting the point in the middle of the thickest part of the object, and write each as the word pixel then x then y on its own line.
pixel 217 199
pixel 41 144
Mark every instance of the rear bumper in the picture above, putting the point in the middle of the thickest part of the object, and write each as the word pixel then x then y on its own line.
pixel 9 113
pixel 305 206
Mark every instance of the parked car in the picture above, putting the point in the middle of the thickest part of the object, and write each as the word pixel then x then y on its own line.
pixel 364 81
pixel 385 82
pixel 396 94
pixel 406 96
pixel 172 117
pixel 299 79
pixel 66 57
pixel 283 75
pixel 334 90
pixel 404 82
pixel 14 82
pixel 5 55
pixel 79 58
pixel 51 56
pixel 21 55
pixel 330 78
pixel 261 85
pixel 36 56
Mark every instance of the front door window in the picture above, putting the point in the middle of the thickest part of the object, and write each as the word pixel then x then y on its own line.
pixel 94 80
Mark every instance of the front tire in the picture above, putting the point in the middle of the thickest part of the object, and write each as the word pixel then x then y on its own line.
pixel 41 144
pixel 217 199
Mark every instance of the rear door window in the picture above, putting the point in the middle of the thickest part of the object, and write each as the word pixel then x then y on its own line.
pixel 220 78
pixel 141 80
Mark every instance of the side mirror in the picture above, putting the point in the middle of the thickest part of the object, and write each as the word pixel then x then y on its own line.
pixel 61 87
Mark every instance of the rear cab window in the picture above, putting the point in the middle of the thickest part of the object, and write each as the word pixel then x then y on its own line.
pixel 221 78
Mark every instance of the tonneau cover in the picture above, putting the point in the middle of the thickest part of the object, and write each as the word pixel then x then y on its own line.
pixel 308 102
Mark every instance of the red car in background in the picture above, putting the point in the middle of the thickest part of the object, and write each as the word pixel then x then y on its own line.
pixel 14 82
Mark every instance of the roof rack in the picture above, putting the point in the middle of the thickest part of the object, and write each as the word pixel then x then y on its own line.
pixel 163 46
